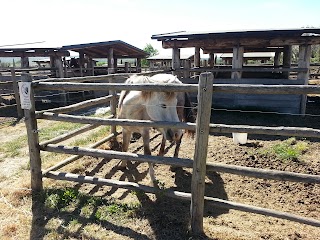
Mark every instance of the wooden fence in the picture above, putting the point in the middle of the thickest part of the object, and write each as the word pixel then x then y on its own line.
pixel 205 88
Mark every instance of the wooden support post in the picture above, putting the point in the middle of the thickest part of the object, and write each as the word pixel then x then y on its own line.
pixel 24 62
pixel 16 92
pixel 277 59
pixel 34 153
pixel 81 62
pixel 58 64
pixel 175 60
pixel 211 60
pixel 304 62
pixel 196 57
pixel 200 154
pixel 52 65
pixel 237 61
pixel 126 67
pixel 60 74
pixel 186 67
pixel 138 65
pixel 113 107
pixel 33 139
pixel 287 55
pixel 110 61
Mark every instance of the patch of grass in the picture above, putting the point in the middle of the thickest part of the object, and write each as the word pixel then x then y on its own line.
pixel 92 138
pixel 95 208
pixel 13 148
pixel 57 129
pixel 288 150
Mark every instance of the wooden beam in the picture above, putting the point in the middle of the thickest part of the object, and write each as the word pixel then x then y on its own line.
pixel 76 157
pixel 237 61
pixel 16 92
pixel 218 128
pixel 196 57
pixel 287 56
pixel 200 152
pixel 304 61
pixel 227 88
pixel 185 162
pixel 78 106
pixel 111 61
pixel 216 202
pixel 176 58
pixel 33 139
pixel 220 43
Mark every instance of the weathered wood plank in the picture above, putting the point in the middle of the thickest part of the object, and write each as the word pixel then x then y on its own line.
pixel 304 61
pixel 115 76
pixel 33 141
pixel 76 157
pixel 78 106
pixel 200 154
pixel 16 92
pixel 226 88
pixel 216 202
pixel 218 128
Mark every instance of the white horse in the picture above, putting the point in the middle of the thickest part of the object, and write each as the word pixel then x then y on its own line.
pixel 156 106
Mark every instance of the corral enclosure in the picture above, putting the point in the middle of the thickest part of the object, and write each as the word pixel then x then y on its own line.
pixel 293 94
pixel 203 127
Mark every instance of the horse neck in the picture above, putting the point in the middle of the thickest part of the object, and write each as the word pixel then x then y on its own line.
pixel 133 106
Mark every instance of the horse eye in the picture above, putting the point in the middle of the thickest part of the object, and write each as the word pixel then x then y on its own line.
pixel 163 105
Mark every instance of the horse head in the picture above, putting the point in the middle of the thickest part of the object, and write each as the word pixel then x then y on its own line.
pixel 162 106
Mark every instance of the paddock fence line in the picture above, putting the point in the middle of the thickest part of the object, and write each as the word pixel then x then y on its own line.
pixel 205 88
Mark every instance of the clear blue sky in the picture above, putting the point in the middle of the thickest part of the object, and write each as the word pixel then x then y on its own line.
pixel 63 22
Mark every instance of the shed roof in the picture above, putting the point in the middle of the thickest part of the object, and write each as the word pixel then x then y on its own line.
pixel 101 49
pixel 253 40
pixel 262 33
pixel 33 52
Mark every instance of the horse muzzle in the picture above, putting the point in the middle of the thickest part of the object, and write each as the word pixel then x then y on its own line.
pixel 173 136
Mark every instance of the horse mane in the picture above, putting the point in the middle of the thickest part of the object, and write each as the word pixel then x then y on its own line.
pixel 145 79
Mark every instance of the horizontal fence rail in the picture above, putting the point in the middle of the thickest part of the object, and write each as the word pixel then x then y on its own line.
pixel 214 128
pixel 114 76
pixel 181 195
pixel 81 105
pixel 244 69
pixel 185 162
pixel 224 88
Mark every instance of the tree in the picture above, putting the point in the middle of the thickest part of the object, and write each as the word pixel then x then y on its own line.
pixel 151 52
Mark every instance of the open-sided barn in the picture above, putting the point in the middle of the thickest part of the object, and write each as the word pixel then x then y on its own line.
pixel 278 41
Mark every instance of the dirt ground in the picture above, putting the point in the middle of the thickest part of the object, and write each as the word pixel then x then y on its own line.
pixel 164 218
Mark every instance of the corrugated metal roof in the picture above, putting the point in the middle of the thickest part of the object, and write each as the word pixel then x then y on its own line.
pixel 101 49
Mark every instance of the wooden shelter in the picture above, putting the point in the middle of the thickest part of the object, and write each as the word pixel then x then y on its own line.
pixel 55 55
pixel 255 57
pixel 279 41
pixel 113 50
pixel 163 61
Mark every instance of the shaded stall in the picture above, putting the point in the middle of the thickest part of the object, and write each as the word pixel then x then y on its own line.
pixel 278 41
pixel 112 50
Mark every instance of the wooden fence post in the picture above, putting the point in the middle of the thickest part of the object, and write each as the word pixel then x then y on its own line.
pixel 113 107
pixel 16 92
pixel 32 131
pixel 200 155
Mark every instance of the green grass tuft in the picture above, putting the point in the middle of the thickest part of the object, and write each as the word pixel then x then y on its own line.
pixel 289 150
